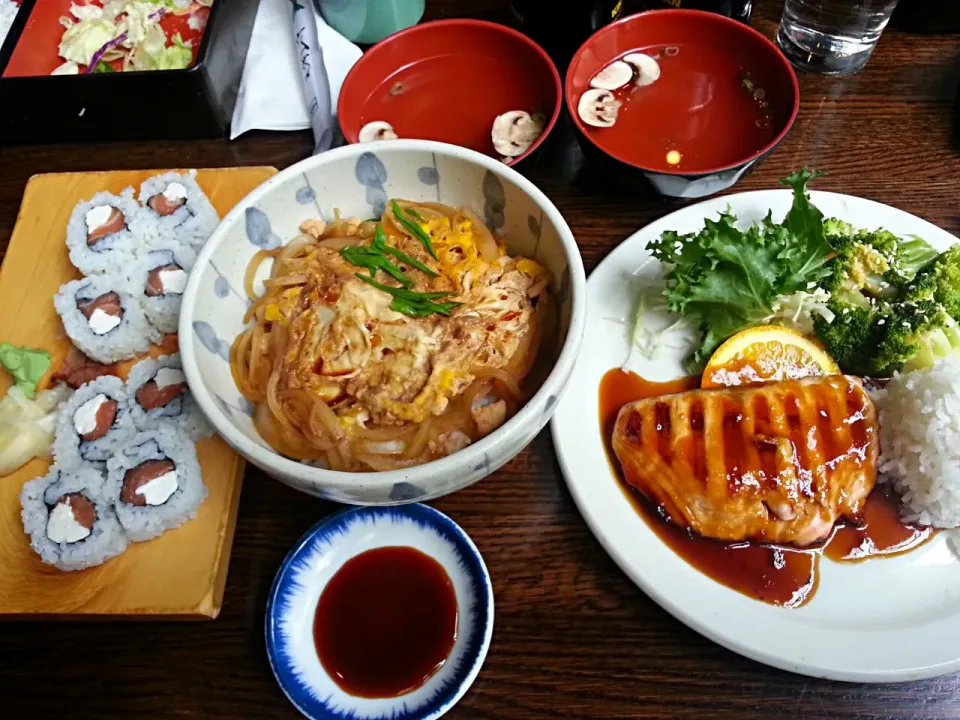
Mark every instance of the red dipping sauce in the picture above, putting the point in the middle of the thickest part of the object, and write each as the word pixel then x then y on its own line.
pixel 386 622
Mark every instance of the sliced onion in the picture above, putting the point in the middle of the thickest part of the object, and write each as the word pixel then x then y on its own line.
pixel 386 447
pixel 486 245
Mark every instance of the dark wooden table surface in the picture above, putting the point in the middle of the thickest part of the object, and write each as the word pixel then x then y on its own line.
pixel 574 638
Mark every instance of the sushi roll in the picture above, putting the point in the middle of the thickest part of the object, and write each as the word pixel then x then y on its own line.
pixel 158 279
pixel 154 482
pixel 180 207
pixel 93 424
pixel 106 232
pixel 158 391
pixel 70 523
pixel 103 319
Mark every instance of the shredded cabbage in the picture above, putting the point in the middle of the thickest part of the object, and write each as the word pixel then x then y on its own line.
pixel 133 26
pixel 657 330
pixel 154 55
pixel 797 310
pixel 81 40
pixel 26 426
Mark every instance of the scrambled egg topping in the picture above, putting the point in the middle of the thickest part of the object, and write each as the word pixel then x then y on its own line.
pixel 371 363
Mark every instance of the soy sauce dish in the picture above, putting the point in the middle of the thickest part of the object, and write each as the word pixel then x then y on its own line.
pixel 683 100
pixel 380 612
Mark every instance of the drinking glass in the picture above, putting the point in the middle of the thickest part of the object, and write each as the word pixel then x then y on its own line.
pixel 370 21
pixel 832 37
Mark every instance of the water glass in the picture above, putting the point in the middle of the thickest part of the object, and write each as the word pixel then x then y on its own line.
pixel 832 37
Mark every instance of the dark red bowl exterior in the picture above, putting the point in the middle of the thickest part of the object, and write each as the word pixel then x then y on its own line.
pixel 457 76
pixel 675 27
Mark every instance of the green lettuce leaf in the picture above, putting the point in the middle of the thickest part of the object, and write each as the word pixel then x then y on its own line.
pixel 153 54
pixel 726 279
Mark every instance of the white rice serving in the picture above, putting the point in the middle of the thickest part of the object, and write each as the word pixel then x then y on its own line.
pixel 920 442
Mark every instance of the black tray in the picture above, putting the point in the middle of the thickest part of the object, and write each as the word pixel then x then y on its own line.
pixel 164 104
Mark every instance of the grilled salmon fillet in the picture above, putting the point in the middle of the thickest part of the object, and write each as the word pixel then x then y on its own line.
pixel 777 463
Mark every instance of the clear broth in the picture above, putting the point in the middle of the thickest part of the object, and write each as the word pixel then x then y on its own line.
pixel 704 110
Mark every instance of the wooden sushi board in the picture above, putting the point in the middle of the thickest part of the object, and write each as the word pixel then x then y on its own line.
pixel 180 575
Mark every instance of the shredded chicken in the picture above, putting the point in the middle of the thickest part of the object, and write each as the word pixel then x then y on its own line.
pixel 489 417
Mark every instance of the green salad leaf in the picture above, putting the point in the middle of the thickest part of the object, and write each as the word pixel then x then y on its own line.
pixel 154 54
pixel 726 279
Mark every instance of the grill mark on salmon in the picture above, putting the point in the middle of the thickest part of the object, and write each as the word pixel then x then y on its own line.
pixel 780 462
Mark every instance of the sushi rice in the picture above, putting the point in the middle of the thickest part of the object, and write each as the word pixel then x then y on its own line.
pixel 131 337
pixel 194 222
pixel 69 450
pixel 118 249
pixel 121 263
pixel 146 522
pixel 163 311
pixel 38 498
pixel 182 411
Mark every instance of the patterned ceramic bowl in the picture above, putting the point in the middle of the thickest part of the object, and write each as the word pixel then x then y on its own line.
pixel 317 558
pixel 357 180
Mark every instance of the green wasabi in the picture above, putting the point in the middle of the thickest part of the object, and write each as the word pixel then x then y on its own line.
pixel 26 365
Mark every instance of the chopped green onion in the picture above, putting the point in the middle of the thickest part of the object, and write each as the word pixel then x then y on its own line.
pixel 403 257
pixel 413 304
pixel 373 260
pixel 380 243
pixel 411 227
pixel 422 309
pixel 405 294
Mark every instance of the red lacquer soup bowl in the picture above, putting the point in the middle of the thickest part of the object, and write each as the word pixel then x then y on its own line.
pixel 448 80
pixel 686 100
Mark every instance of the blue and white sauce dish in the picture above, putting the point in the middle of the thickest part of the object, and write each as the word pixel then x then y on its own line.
pixel 357 180
pixel 317 558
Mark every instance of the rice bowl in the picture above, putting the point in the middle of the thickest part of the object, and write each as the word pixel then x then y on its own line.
pixel 358 180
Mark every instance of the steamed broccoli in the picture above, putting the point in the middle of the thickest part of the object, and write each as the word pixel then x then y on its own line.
pixel 918 333
pixel 853 335
pixel 939 282
pixel 857 275
pixel 836 231
pixel 914 255
pixel 876 262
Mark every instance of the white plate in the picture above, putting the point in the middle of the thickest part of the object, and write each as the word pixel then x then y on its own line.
pixel 883 620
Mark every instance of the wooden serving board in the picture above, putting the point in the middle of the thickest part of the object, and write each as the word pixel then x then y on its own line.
pixel 180 575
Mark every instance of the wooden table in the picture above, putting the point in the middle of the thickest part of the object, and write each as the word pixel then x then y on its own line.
pixel 574 638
